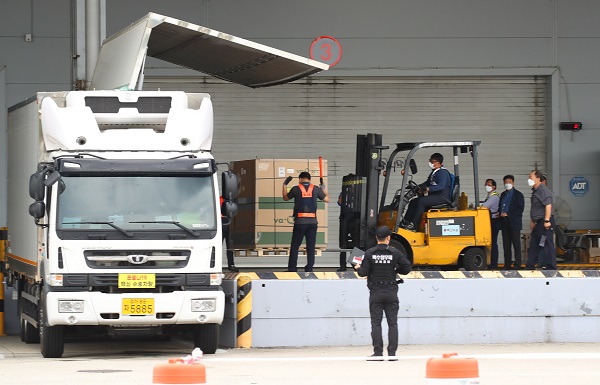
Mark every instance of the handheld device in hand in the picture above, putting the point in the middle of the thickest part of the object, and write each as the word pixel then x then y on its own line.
pixel 355 257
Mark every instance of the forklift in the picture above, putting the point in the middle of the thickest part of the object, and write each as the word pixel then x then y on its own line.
pixel 447 237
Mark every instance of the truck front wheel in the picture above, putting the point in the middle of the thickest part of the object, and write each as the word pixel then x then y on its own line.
pixel 51 337
pixel 206 337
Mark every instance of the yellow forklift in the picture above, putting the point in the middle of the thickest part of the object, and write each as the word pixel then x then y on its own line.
pixel 446 237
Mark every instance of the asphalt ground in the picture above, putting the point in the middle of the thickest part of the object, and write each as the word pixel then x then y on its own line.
pixel 106 361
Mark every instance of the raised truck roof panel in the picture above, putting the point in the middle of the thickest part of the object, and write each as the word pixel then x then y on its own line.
pixel 211 52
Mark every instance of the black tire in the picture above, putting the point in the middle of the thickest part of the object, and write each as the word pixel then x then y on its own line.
pixel 396 244
pixel 206 337
pixel 52 339
pixel 474 259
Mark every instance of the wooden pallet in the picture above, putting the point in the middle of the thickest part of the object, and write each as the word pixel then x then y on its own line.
pixel 266 252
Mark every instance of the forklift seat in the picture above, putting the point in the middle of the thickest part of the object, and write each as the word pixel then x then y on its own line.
pixel 454 183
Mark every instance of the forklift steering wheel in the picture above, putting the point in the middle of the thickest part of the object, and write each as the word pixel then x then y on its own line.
pixel 413 186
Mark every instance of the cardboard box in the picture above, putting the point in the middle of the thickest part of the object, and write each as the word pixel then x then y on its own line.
pixel 594 254
pixel 264 219
pixel 271 237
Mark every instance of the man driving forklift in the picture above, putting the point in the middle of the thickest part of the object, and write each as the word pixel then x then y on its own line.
pixel 436 190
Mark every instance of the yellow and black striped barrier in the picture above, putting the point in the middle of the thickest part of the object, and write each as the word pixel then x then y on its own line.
pixel 424 274
pixel 244 312
pixel 2 304
pixel 244 286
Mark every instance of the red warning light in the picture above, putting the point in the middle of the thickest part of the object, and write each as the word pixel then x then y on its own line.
pixel 571 126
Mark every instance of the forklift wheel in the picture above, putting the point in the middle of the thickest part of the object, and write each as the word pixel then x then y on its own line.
pixel 396 244
pixel 474 259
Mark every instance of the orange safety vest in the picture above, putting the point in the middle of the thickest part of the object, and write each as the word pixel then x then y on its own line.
pixel 306 194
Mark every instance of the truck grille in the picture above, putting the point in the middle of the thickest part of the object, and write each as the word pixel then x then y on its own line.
pixel 109 283
pixel 137 259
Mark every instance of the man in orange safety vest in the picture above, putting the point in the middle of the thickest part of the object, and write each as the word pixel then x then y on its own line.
pixel 305 196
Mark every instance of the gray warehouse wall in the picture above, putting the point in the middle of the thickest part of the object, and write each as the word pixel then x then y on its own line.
pixel 44 63
pixel 395 38
pixel 3 148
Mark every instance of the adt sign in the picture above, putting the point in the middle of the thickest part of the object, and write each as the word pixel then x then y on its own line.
pixel 579 186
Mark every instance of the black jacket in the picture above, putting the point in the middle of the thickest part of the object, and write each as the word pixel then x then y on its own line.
pixel 515 210
pixel 381 264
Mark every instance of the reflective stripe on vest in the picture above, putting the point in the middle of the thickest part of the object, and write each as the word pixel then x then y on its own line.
pixel 306 193
pixel 307 215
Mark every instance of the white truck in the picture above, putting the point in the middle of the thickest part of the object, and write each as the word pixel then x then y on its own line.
pixel 127 233
pixel 126 204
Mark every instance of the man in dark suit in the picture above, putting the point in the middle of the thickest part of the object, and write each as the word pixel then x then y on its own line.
pixel 512 204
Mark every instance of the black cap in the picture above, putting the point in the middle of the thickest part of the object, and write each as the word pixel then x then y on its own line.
pixel 383 232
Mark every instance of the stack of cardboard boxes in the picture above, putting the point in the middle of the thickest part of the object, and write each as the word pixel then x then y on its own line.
pixel 264 219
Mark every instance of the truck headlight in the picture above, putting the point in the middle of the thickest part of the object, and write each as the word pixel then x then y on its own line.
pixel 204 305
pixel 70 306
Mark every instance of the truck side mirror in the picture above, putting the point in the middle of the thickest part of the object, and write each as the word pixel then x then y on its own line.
pixel 37 210
pixel 229 209
pixel 36 186
pixel 230 185
pixel 413 166
pixel 52 178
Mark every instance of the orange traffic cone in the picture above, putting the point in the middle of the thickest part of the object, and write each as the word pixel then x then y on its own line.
pixel 451 371
pixel 179 372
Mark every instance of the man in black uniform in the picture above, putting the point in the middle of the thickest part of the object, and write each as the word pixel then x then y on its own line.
pixel 305 197
pixel 380 265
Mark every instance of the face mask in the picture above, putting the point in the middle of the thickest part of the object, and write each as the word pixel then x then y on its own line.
pixel 508 186
pixel 488 188
pixel 530 182
pixel 431 165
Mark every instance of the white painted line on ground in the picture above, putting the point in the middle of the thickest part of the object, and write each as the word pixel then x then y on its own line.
pixel 516 356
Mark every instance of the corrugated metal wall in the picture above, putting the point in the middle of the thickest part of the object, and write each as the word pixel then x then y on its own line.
pixel 321 116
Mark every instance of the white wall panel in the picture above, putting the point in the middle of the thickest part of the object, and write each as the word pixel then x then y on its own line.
pixel 579 58
pixel 578 18
pixel 384 19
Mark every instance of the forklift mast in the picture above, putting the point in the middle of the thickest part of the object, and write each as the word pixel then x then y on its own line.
pixel 360 194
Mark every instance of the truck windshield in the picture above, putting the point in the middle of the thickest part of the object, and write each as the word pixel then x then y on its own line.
pixel 130 203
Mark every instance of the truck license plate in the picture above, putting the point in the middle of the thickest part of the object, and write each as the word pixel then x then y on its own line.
pixel 137 306
pixel 137 281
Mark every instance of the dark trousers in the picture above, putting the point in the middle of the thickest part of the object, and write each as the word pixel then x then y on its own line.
pixel 495 231
pixel 510 239
pixel 384 299
pixel 301 231
pixel 343 259
pixel 417 207
pixel 549 259
pixel 225 230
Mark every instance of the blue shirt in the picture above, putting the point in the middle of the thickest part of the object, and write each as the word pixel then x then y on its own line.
pixel 505 201
pixel 439 183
